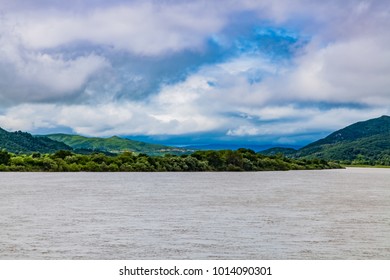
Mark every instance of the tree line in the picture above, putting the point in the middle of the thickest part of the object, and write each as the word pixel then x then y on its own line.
pixel 225 160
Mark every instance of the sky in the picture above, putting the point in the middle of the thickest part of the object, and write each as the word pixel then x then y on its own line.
pixel 272 72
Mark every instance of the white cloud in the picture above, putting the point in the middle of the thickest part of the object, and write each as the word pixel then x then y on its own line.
pixel 272 112
pixel 244 130
pixel 140 28
pixel 41 77
pixel 354 71
pixel 347 61
pixel 324 120
pixel 28 75
pixel 106 119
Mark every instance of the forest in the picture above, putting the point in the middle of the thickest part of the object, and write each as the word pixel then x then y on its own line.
pixel 225 160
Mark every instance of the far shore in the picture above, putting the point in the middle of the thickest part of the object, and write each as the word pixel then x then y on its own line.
pixel 366 166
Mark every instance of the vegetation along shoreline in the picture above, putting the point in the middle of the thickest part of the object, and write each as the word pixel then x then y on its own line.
pixel 224 160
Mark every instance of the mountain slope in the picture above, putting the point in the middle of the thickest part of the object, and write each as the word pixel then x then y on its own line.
pixel 288 152
pixel 365 142
pixel 23 142
pixel 363 129
pixel 113 144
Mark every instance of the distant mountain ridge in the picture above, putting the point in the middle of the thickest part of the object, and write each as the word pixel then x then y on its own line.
pixel 364 142
pixel 23 142
pixel 113 144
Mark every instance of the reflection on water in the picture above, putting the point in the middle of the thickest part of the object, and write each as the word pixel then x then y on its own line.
pixel 331 214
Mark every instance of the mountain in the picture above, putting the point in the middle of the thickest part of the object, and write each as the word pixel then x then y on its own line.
pixel 228 146
pixel 364 142
pixel 114 144
pixel 23 142
pixel 279 150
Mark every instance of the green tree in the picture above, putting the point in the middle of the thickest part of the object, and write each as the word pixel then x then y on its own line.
pixel 4 157
pixel 62 154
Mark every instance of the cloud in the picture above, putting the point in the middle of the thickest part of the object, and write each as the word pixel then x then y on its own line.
pixel 145 29
pixel 239 108
pixel 347 71
pixel 103 119
pixel 28 75
pixel 50 52
pixel 255 69
pixel 305 121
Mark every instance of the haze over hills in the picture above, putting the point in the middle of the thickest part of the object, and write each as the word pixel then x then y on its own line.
pixel 364 142
pixel 114 144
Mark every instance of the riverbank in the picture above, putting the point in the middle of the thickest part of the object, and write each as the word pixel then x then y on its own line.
pixel 225 160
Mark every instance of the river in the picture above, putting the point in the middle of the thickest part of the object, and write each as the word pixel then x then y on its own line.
pixel 329 214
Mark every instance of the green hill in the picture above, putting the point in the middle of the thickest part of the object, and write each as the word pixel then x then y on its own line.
pixel 366 142
pixel 113 144
pixel 363 129
pixel 288 152
pixel 23 142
